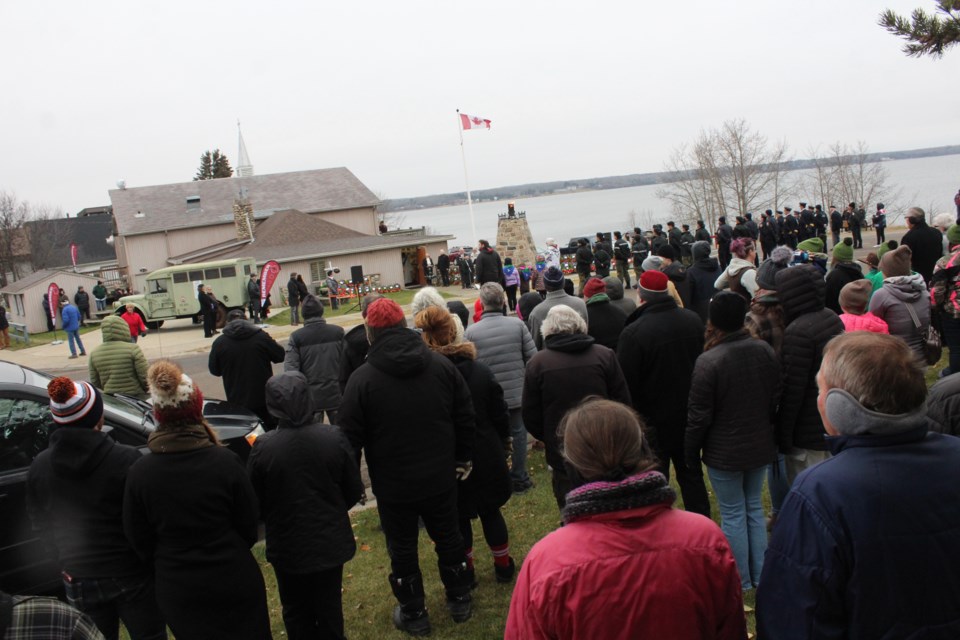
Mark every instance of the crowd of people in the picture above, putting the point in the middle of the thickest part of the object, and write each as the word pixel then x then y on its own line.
pixel 799 373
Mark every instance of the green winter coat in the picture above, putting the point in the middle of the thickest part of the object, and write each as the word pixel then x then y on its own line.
pixel 118 365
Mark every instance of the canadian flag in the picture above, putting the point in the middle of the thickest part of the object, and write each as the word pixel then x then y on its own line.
pixel 473 122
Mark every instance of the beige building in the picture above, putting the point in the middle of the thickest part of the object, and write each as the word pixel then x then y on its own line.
pixel 23 299
pixel 306 220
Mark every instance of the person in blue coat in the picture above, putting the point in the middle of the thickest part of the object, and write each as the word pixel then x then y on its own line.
pixel 867 544
pixel 70 321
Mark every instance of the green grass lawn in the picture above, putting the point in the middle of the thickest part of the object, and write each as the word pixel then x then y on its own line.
pixel 402 297
pixel 37 339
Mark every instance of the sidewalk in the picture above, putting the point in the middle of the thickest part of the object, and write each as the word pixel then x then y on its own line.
pixel 176 338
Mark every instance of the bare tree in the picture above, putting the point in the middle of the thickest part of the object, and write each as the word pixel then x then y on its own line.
pixel 393 219
pixel 643 219
pixel 727 171
pixel 13 213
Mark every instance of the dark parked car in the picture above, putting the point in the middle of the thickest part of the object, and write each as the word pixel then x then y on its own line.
pixel 25 427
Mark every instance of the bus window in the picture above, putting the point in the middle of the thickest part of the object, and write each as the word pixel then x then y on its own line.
pixel 211 274
pixel 158 286
pixel 196 276
pixel 180 278
pixel 228 272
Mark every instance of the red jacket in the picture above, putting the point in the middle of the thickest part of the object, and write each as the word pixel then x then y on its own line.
pixel 135 321
pixel 650 572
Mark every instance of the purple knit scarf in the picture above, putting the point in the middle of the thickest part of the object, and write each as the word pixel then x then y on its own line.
pixel 640 490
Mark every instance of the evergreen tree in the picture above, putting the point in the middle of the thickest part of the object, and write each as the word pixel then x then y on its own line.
pixel 213 164
pixel 926 33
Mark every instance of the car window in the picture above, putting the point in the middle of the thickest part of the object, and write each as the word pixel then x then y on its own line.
pixel 25 427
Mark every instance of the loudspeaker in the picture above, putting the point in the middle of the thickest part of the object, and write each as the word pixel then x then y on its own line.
pixel 356 274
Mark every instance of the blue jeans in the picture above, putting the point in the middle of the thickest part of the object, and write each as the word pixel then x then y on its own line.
pixel 74 337
pixel 777 483
pixel 741 518
pixel 109 600
pixel 518 466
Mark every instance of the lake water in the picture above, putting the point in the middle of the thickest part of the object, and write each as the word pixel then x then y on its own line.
pixel 930 183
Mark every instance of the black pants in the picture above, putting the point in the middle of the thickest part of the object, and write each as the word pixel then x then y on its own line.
pixel 723 253
pixel 312 604
pixel 444 276
pixel 209 323
pixel 109 600
pixel 511 291
pixel 399 522
pixel 857 235
pixel 494 529
pixel 881 234
pixel 561 486
pixel 692 488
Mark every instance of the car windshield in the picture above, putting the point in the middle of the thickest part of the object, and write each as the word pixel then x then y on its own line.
pixel 127 409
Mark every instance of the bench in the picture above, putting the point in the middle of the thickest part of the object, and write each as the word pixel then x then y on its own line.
pixel 19 332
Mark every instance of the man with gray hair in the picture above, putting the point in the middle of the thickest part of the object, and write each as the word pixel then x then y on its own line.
pixel 504 344
pixel 925 242
pixel 553 282
pixel 571 368
pixel 867 543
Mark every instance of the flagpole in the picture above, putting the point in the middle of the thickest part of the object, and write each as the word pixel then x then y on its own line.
pixel 466 180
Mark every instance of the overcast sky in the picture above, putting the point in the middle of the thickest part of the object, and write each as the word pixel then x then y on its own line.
pixel 97 91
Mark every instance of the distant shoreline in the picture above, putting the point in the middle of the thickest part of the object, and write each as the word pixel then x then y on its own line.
pixel 539 189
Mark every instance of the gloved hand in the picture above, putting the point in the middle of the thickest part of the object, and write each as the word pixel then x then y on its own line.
pixel 508 446
pixel 464 469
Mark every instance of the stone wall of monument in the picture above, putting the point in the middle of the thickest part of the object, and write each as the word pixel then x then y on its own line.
pixel 515 241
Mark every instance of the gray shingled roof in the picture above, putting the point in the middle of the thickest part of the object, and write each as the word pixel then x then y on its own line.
pixel 44 275
pixel 292 234
pixel 165 206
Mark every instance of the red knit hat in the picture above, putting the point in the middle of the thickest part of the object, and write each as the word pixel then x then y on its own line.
pixel 74 404
pixel 593 287
pixel 653 281
pixel 176 399
pixel 384 313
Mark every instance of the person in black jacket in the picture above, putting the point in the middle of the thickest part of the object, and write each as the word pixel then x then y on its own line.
pixel 293 299
pixel 735 433
pixel 836 225
pixel 243 357
pixel 82 300
pixel 702 274
pixel 809 326
pixel 639 250
pixel 674 238
pixel 584 258
pixel 416 452
pixel 208 310
pixel 843 270
pixel 621 251
pixel 925 242
pixel 488 266
pixel 570 368
pixel 489 486
pixel 355 343
pixel 657 352
pixel 253 298
pixel 601 260
pixel 316 350
pixel 604 319
pixel 676 272
pixel 724 238
pixel 74 495
pixel 443 265
pixel 701 234
pixel 189 507
pixel 306 480
pixel 769 233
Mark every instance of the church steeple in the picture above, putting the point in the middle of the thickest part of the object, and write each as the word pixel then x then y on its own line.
pixel 244 166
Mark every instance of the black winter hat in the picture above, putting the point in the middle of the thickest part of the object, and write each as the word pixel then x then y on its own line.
pixel 727 311
pixel 666 251
pixel 311 307
pixel 779 258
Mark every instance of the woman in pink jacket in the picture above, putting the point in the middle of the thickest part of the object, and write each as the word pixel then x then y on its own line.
pixel 626 564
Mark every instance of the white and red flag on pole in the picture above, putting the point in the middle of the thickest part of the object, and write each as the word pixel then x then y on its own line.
pixel 473 122
pixel 73 253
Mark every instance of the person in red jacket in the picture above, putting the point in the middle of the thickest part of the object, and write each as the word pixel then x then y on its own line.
pixel 626 564
pixel 135 320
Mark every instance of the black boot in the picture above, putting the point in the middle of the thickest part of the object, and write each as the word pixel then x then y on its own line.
pixel 457 582
pixel 410 615
pixel 505 574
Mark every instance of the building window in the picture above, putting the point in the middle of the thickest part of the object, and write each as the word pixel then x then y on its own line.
pixel 21 309
pixel 193 204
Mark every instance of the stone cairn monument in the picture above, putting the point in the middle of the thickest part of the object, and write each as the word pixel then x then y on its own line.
pixel 514 239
